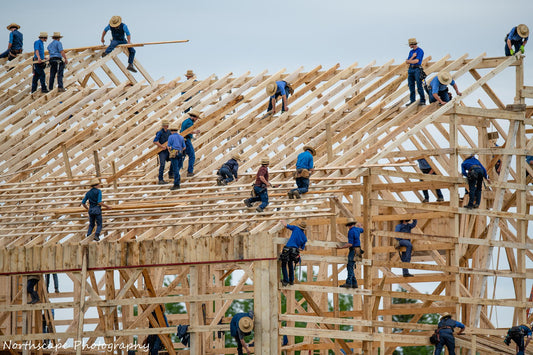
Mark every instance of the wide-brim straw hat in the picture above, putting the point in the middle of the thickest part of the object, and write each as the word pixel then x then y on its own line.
pixel 94 181
pixel 115 21
pixel 265 161
pixel 445 314
pixel 11 25
pixel 165 123
pixel 302 225
pixel 412 41
pixel 246 324
pixel 522 30
pixel 445 78
pixel 195 113
pixel 189 73
pixel 271 89
pixel 43 35
pixel 174 127
pixel 351 222
pixel 309 148
pixel 236 156
pixel 57 35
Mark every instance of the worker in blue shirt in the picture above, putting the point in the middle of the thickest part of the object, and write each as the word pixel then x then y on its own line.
pixel 229 170
pixel 161 139
pixel 119 33
pixel 414 59
pixel 14 47
pixel 529 161
pixel 241 325
pixel 39 64
pixel 439 88
pixel 445 330
pixel 58 60
pixel 176 147
pixel 94 196
pixel 474 171
pixel 355 254
pixel 304 169
pixel 275 90
pixel 516 38
pixel 518 334
pixel 405 227
pixel 290 254
pixel 424 166
pixel 189 148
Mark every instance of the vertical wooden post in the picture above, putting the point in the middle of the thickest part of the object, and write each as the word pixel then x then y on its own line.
pixel 335 269
pixel 110 295
pixel 519 99
pixel 453 256
pixel 68 170
pixel 521 226
pixel 96 163
pixel 113 166
pixel 81 309
pixel 367 243
pixel 329 140
pixel 196 346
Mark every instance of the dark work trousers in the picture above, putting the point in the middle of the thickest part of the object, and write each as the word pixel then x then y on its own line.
pixel 425 192
pixel 475 185
pixel 446 339
pixel 444 96
pixel 406 256
pixel 189 151
pixel 303 185
pixel 115 43
pixel 520 343
pixel 57 66
pixel 56 281
pixel 350 268
pixel 176 164
pixel 95 218
pixel 226 174
pixel 262 195
pixel 38 76
pixel 163 157
pixel 413 76
pixel 239 345
pixel 31 289
pixel 515 44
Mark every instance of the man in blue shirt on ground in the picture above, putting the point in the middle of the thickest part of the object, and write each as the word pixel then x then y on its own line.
pixel 58 60
pixel 427 169
pixel 355 254
pixel 176 147
pixel 14 47
pixel 161 139
pixel 275 90
pixel 39 64
pixel 439 88
pixel 405 227
pixel 518 334
pixel 414 59
pixel 474 171
pixel 241 325
pixel 229 170
pixel 445 329
pixel 94 196
pixel 291 251
pixel 189 149
pixel 119 32
pixel 516 38
pixel 304 168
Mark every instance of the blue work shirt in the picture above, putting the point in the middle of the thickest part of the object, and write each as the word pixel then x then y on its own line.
pixel 419 55
pixel 15 38
pixel 529 159
pixel 452 323
pixel 436 85
pixel 233 166
pixel 38 46
pixel 234 324
pixel 514 36
pixel 162 136
pixel 305 160
pixel 468 163
pixel 94 196
pixel 281 88
pixel 526 330
pixel 297 239
pixel 405 228
pixel 188 123
pixel 354 236
pixel 124 28
pixel 176 141
pixel 55 48
pixel 423 164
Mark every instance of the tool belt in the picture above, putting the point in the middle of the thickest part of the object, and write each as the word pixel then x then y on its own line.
pixel 302 173
pixel 173 153
pixel 358 256
pixel 13 53
pixel 289 254
pixel 473 172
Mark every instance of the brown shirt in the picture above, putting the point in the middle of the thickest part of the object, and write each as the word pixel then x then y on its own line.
pixel 263 171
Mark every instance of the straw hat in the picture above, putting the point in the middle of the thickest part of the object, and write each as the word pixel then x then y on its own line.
pixel 311 149
pixel 445 78
pixel 236 156
pixel 57 35
pixel 246 324
pixel 302 225
pixel 174 127
pixel 11 25
pixel 412 41
pixel 265 161
pixel 43 35
pixel 195 113
pixel 351 222
pixel 271 89
pixel 523 30
pixel 164 123
pixel 445 314
pixel 115 21
pixel 189 72
pixel 94 181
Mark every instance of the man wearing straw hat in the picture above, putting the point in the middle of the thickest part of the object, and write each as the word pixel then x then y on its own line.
pixel 304 168
pixel 516 38
pixel 194 115
pixel 260 187
pixel 176 147
pixel 119 33
pixel 94 196
pixel 275 90
pixel 445 333
pixel 229 170
pixel 58 59
pixel 189 75
pixel 414 59
pixel 405 227
pixel 161 139
pixel 475 172
pixel 241 325
pixel 290 254
pixel 355 254
pixel 14 47
pixel 439 88
pixel 39 64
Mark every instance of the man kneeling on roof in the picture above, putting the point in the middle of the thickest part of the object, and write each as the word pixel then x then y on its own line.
pixel 304 168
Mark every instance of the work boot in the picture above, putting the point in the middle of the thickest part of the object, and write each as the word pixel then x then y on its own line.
pixel 425 200
pixel 296 194
pixel 56 290
pixel 224 182
pixel 440 199
pixel 104 54
pixel 96 238
pixel 34 300
pixel 355 285
pixel 291 195
pixel 476 205
pixel 45 91
pixel 422 103
pixel 259 209
pixel 469 206
pixel 409 104
pixel 131 68
pixel 247 203
pixel 346 285
pixel 408 275
pixel 175 187
pixel 284 283
pixel 61 89
pixel 219 181
pixel 162 182
pixel 190 174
